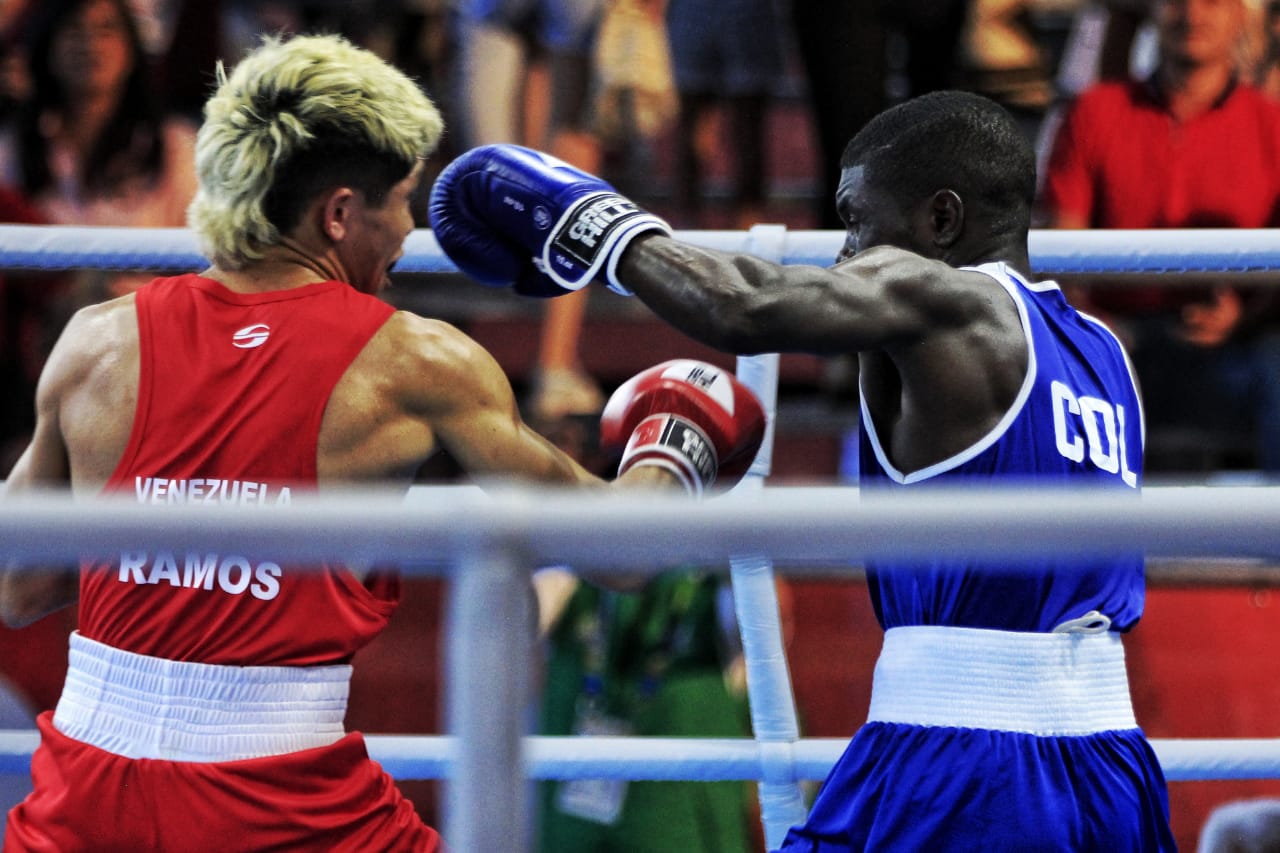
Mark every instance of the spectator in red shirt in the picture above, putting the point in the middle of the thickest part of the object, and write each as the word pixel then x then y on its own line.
pixel 1192 146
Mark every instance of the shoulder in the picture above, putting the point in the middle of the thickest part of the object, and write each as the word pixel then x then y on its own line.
pixel 938 296
pixel 1249 98
pixel 97 337
pixel 427 341
pixel 1116 92
pixel 103 326
pixel 1096 122
pixel 1112 99
pixel 913 274
pixel 432 359
pixel 893 263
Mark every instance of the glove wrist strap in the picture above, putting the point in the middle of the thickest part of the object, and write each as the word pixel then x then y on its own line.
pixel 676 444
pixel 589 237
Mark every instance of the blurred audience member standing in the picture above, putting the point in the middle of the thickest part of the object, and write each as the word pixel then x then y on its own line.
pixel 1002 57
pixel 726 54
pixel 498 42
pixel 842 48
pixel 1192 146
pixel 924 44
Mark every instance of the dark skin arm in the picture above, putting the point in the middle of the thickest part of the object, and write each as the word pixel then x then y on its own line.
pixel 941 350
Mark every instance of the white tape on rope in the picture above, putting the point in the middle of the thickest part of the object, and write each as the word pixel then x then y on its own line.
pixel 771 700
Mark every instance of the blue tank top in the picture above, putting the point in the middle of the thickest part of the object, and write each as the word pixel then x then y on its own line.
pixel 1077 420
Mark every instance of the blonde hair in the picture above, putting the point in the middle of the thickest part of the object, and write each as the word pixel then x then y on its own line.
pixel 284 98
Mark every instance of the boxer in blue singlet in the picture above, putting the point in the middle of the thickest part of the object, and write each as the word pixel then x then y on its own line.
pixel 1000 715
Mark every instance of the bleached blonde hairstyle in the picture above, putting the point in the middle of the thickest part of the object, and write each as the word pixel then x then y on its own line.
pixel 287 98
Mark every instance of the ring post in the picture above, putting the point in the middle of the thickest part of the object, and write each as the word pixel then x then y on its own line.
pixel 773 710
pixel 491 625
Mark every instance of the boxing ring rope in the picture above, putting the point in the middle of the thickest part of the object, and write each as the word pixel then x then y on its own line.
pixel 545 757
pixel 487 553
pixel 1185 252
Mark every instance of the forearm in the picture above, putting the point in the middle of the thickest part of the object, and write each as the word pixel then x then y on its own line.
pixel 29 594
pixel 649 478
pixel 706 294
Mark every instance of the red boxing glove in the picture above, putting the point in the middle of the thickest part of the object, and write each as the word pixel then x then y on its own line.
pixel 689 417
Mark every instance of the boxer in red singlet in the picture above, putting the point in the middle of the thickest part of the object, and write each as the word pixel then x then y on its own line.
pixel 203 707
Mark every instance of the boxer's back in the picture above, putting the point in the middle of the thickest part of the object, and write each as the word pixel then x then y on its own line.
pixel 369 429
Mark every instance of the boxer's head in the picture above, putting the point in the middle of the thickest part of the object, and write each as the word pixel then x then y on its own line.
pixel 294 119
pixel 939 148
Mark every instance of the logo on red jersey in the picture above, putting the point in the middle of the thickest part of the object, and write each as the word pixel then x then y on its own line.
pixel 251 336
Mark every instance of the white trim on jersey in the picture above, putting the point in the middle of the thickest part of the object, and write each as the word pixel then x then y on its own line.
pixel 1001 274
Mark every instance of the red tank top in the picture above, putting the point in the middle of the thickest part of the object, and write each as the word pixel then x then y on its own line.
pixel 232 389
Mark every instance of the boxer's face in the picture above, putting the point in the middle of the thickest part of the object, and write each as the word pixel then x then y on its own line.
pixel 873 216
pixel 380 231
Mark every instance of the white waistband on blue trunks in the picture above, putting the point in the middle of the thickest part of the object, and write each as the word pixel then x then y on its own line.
pixel 140 706
pixel 1041 684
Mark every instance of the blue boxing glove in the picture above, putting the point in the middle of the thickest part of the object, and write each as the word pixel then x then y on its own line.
pixel 508 215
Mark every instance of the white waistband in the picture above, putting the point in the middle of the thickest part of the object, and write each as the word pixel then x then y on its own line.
pixel 1043 684
pixel 147 707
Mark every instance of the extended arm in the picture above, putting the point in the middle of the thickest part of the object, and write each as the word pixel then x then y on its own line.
pixel 511 216
pixel 458 390
pixel 881 300
pixel 682 422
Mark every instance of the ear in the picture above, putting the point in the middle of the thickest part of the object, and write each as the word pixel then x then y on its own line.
pixel 946 218
pixel 336 211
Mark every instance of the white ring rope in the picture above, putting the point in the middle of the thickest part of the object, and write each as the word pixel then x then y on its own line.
pixel 418 757
pixel 790 525
pixel 1238 251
